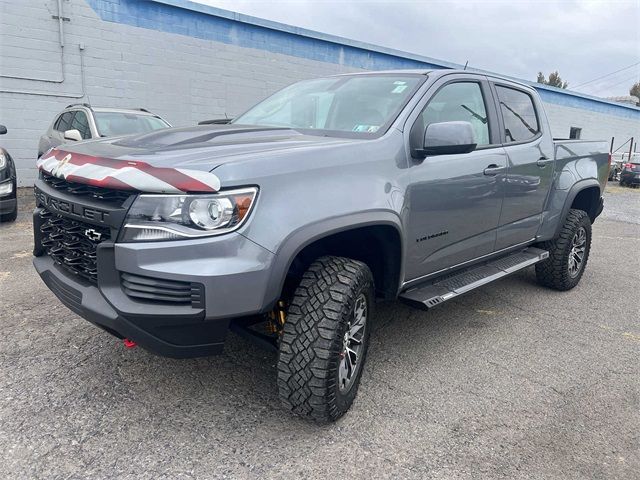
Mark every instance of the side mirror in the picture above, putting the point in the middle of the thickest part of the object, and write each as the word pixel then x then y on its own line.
pixel 72 134
pixel 3 129
pixel 448 138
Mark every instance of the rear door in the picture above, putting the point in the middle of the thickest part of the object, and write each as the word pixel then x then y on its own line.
pixel 455 200
pixel 530 155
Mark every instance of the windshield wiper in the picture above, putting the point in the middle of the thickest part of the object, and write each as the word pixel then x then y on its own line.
pixel 474 114
pixel 519 117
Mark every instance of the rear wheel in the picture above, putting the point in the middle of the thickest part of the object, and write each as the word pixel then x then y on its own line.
pixel 568 253
pixel 325 339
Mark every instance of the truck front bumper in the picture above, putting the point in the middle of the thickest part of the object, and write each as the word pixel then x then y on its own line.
pixel 8 200
pixel 230 272
pixel 8 205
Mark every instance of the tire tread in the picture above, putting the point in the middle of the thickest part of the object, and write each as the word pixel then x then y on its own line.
pixel 311 339
pixel 553 272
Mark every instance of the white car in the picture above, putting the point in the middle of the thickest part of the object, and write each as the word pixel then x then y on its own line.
pixel 82 122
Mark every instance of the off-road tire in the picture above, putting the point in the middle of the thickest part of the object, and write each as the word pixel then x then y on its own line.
pixel 554 272
pixel 312 340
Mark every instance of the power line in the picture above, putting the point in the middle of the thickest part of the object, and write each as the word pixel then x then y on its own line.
pixel 627 79
pixel 607 75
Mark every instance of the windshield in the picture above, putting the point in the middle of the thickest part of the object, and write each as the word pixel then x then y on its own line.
pixel 113 124
pixel 361 104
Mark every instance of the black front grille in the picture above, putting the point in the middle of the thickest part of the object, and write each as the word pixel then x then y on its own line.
pixel 72 244
pixel 161 290
pixel 89 191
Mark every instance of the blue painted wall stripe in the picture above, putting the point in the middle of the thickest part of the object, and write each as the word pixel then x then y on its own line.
pixel 607 108
pixel 210 23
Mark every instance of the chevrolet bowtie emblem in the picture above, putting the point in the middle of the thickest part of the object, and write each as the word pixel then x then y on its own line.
pixel 91 234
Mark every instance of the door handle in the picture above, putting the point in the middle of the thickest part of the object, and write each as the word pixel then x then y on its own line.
pixel 542 161
pixel 493 170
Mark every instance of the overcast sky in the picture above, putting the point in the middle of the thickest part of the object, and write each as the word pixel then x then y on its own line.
pixel 583 40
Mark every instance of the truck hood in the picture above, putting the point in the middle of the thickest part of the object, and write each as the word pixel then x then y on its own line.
pixel 175 159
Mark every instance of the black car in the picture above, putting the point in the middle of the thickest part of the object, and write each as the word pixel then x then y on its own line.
pixel 630 174
pixel 8 200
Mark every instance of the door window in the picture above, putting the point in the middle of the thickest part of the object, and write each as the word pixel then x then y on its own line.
pixel 519 115
pixel 81 124
pixel 64 122
pixel 462 101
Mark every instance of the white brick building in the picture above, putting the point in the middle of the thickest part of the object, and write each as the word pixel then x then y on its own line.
pixel 189 62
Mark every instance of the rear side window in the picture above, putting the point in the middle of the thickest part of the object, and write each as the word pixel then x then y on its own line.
pixel 81 123
pixel 519 115
pixel 462 101
pixel 64 122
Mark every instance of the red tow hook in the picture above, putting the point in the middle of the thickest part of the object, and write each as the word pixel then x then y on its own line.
pixel 129 343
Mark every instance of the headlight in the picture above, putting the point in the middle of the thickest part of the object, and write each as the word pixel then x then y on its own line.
pixel 3 160
pixel 173 217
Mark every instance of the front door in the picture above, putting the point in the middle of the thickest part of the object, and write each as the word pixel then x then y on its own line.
pixel 455 200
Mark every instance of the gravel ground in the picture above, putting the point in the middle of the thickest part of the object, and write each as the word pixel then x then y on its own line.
pixel 622 204
pixel 509 381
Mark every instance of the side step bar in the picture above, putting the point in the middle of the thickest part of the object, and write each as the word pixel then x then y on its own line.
pixel 445 288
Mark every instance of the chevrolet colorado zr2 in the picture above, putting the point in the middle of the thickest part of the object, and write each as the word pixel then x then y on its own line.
pixel 289 223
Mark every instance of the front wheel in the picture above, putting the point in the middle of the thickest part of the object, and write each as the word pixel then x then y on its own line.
pixel 325 339
pixel 568 253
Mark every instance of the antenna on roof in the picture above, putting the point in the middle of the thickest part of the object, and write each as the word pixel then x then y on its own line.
pixel 465 65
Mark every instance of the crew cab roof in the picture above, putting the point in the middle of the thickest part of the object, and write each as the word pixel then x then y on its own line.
pixel 440 72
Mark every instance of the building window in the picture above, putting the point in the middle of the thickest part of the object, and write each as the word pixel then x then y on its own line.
pixel 574 133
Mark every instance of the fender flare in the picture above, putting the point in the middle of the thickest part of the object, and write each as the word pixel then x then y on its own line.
pixel 305 236
pixel 577 187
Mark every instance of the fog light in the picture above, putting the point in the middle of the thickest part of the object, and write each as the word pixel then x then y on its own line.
pixel 6 188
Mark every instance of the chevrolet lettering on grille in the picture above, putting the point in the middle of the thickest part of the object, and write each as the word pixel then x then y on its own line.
pixel 62 206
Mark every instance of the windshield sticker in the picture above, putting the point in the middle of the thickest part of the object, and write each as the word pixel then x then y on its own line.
pixel 399 89
pixel 366 128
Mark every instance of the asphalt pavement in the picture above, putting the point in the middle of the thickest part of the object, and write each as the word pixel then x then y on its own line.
pixel 509 381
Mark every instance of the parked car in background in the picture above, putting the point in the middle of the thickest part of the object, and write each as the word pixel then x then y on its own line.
pixel 630 173
pixel 8 199
pixel 82 122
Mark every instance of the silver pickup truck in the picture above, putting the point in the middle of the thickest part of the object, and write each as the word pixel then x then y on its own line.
pixel 288 224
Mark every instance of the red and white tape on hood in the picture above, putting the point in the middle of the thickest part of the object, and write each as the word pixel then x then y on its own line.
pixel 125 174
